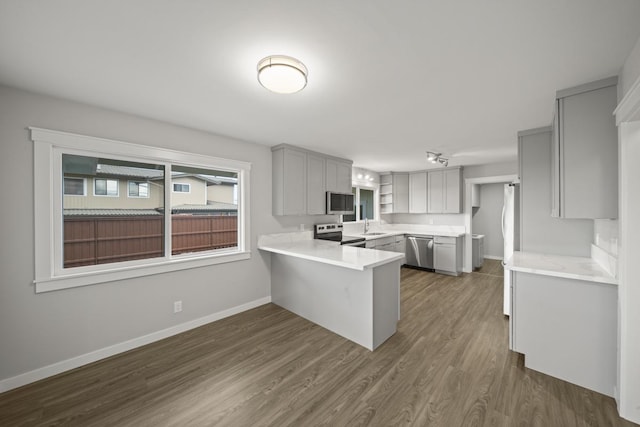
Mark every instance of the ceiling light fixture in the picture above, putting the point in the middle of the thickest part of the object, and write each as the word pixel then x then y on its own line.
pixel 282 74
pixel 437 158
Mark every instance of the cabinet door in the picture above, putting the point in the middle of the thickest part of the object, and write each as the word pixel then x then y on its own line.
pixel 589 155
pixel 289 182
pixel 316 199
pixel 435 192
pixel 418 192
pixel 400 245
pixel 338 176
pixel 295 169
pixel 452 194
pixel 444 257
pixel 400 193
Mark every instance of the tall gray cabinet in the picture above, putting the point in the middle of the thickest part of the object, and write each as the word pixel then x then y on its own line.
pixel 585 152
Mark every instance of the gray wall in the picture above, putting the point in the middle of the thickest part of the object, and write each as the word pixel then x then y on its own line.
pixel 38 330
pixel 487 219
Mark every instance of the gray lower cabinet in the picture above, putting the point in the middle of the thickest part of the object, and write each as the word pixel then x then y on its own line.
pixel 447 255
pixel 382 244
pixel 585 152
pixel 390 243
pixel 400 244
pixel 301 179
pixel 566 328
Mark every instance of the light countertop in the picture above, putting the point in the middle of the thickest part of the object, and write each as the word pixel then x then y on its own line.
pixel 570 267
pixel 331 253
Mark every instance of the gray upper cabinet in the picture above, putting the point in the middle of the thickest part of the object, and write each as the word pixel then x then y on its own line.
pixel 400 192
pixel 418 192
pixel 301 179
pixel 585 152
pixel 394 193
pixel 316 199
pixel 338 175
pixel 289 181
pixel 444 190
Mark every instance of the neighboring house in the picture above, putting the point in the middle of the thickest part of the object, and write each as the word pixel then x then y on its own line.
pixel 123 190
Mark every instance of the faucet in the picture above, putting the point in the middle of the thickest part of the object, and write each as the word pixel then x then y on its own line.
pixel 366 225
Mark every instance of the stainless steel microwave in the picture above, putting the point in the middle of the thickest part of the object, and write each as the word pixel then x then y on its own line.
pixel 339 203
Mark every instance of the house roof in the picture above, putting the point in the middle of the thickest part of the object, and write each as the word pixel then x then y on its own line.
pixel 105 169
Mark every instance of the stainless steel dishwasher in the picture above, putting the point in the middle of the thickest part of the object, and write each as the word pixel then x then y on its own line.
pixel 420 252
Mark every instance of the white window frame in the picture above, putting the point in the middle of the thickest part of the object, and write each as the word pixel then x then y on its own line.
pixel 139 182
pixel 181 183
pixel 376 203
pixel 50 145
pixel 84 186
pixel 95 180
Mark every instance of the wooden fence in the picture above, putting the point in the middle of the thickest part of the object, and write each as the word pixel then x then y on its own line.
pixel 102 240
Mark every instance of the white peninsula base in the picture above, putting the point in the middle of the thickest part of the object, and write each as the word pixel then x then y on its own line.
pixel 360 305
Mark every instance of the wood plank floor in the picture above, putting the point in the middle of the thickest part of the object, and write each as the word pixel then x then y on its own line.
pixel 448 365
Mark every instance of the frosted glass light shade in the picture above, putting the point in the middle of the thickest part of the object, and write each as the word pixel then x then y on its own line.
pixel 282 74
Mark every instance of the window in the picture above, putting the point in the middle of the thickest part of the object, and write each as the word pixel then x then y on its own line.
pixel 96 239
pixel 364 204
pixel 75 186
pixel 138 189
pixel 105 187
pixel 181 188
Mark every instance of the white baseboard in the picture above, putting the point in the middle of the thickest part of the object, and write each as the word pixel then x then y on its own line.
pixel 66 365
pixel 493 257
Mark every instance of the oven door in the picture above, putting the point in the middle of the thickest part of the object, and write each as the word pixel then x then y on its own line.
pixel 357 243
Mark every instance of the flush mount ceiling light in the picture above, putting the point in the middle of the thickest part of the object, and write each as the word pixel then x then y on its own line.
pixel 282 74
pixel 437 158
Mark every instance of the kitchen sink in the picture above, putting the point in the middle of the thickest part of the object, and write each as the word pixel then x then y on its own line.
pixel 373 233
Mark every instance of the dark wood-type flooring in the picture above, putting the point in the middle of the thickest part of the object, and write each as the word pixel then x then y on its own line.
pixel 448 365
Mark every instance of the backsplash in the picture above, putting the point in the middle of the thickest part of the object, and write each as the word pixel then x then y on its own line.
pixel 605 235
pixel 425 219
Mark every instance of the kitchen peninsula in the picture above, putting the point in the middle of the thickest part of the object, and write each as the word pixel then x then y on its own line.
pixel 353 292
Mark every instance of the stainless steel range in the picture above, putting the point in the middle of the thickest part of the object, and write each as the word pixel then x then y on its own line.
pixel 333 232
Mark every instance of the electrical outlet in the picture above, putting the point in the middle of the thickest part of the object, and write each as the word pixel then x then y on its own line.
pixel 177 306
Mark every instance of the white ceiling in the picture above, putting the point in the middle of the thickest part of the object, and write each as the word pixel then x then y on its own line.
pixel 388 80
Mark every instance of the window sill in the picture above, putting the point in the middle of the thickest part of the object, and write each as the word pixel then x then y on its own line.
pixel 113 274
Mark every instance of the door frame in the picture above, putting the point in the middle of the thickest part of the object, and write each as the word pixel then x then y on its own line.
pixel 469 182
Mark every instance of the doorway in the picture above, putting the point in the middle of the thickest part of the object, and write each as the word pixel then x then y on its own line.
pixel 468 212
